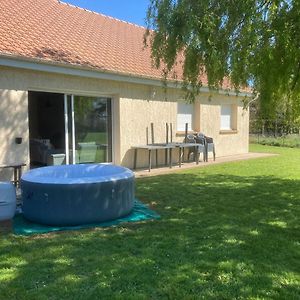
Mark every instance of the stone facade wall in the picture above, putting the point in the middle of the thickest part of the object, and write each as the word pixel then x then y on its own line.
pixel 135 106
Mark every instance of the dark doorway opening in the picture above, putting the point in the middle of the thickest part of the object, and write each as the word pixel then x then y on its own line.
pixel 46 126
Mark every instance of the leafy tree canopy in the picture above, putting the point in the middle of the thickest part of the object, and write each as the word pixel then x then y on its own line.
pixel 251 42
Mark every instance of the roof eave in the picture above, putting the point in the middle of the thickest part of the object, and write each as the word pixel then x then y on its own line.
pixel 89 72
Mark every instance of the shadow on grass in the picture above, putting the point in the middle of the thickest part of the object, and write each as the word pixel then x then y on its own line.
pixel 220 237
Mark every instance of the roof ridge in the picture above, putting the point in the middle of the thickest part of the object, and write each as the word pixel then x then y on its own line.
pixel 100 14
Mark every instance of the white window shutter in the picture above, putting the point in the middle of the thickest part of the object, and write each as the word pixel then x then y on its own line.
pixel 184 115
pixel 226 111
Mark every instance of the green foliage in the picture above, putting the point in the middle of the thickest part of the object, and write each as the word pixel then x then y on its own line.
pixel 82 105
pixel 291 141
pixel 228 231
pixel 252 42
pixel 281 120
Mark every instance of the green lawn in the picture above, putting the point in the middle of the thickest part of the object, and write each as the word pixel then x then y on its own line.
pixel 227 231
pixel 291 140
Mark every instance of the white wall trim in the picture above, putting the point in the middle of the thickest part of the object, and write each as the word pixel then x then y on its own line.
pixel 50 67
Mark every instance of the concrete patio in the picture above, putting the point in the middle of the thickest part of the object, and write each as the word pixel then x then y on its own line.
pixel 189 165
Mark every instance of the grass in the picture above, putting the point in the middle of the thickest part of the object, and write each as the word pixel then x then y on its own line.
pixel 227 231
pixel 291 140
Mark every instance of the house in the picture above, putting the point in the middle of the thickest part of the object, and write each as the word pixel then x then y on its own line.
pixel 73 80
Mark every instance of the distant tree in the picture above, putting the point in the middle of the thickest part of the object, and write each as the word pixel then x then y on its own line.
pixel 251 42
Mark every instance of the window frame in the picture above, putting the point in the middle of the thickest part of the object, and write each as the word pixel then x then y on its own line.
pixel 181 128
pixel 232 128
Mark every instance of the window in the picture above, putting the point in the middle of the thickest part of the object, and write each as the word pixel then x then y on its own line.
pixel 225 117
pixel 184 115
pixel 228 117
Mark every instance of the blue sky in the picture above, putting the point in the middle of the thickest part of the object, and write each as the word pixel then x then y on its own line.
pixel 133 11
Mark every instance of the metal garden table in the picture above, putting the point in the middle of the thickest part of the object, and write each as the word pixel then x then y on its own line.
pixel 168 148
pixel 17 171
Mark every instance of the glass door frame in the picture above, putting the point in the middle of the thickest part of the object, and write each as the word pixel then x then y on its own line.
pixel 69 98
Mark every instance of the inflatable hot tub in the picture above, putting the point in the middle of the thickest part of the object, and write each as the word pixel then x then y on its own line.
pixel 77 194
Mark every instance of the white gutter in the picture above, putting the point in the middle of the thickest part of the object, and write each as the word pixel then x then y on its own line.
pixel 50 67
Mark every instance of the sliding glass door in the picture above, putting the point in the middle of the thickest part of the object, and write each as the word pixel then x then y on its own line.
pixel 88 129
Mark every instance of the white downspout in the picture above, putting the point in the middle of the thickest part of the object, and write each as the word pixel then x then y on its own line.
pixel 66 128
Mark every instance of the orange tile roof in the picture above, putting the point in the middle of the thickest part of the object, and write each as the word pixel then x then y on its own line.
pixel 54 31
